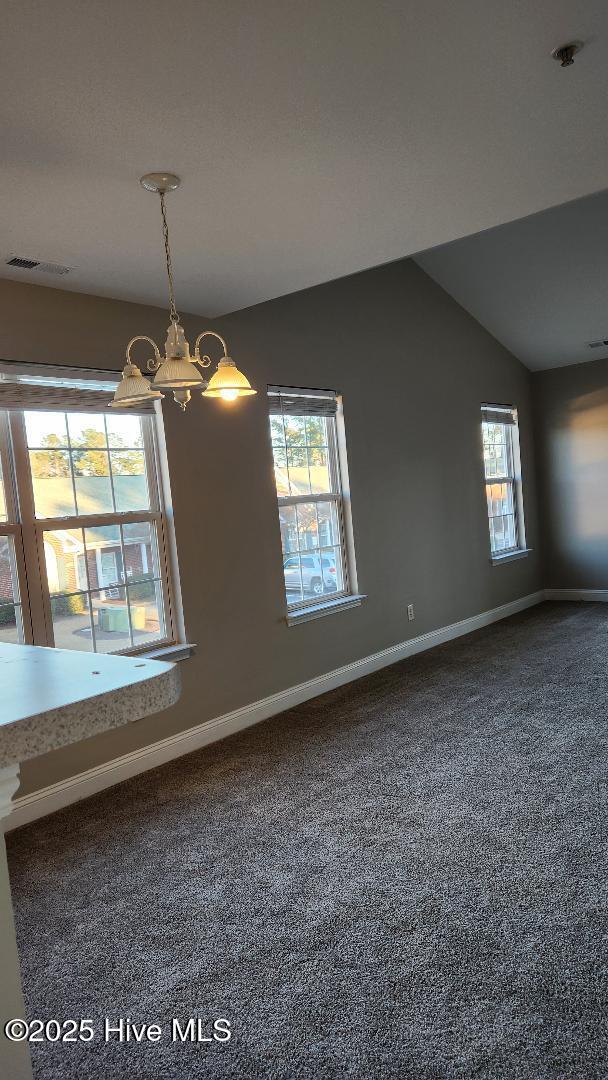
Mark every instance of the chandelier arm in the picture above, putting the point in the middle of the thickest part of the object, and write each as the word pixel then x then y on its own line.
pixel 172 308
pixel 151 365
pixel 205 360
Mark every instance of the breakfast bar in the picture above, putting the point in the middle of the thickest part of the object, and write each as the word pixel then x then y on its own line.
pixel 48 699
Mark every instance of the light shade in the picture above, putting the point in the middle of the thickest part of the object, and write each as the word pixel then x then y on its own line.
pixel 132 389
pixel 176 372
pixel 228 382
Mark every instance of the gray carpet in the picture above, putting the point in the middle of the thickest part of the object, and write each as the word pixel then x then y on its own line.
pixel 404 878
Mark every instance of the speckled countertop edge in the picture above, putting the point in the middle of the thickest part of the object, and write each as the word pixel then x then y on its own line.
pixel 35 735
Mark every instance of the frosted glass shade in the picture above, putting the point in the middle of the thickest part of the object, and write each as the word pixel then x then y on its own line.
pixel 228 382
pixel 175 373
pixel 132 389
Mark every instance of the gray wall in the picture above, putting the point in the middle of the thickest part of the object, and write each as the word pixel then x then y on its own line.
pixel 413 368
pixel 571 423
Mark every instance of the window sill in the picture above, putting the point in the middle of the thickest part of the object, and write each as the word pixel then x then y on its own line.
pixel 169 653
pixel 510 556
pixel 327 607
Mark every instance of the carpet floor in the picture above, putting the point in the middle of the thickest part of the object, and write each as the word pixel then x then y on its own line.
pixel 405 878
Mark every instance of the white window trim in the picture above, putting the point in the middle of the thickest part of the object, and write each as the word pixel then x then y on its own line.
pixel 28 532
pixel 328 607
pixel 520 549
pixel 314 608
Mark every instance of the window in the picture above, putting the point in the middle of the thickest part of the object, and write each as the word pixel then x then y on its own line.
pixel 309 470
pixel 83 562
pixel 503 479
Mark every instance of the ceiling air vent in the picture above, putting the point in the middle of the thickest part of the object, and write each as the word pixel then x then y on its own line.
pixel 23 264
pixel 35 264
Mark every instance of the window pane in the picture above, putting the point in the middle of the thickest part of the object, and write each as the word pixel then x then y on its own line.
pixel 140 551
pixel 9 588
pixel 318 467
pixel 277 431
pixel 333 576
pixel 279 454
pixel 146 605
pixel 86 429
pixel 319 572
pixel 289 528
pixel 11 628
pixel 44 429
pixel 104 558
pixel 316 431
pixel 72 622
pixel 130 483
pixel 297 463
pixel 111 620
pixel 500 499
pixel 308 526
pixel 281 476
pixel 52 481
pixel 124 431
pixel 62 550
pixel 295 430
pixel 3 509
pixel 92 482
pixel 11 625
pixel 510 532
pixel 293 579
pixel 329 525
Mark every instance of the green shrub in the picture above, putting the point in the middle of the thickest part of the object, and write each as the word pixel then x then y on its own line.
pixel 142 593
pixel 7 615
pixel 68 605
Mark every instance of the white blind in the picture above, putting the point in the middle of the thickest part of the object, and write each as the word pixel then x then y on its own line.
pixel 296 401
pixel 498 414
pixel 59 389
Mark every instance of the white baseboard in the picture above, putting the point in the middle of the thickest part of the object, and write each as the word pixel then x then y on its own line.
pixel 45 801
pixel 597 595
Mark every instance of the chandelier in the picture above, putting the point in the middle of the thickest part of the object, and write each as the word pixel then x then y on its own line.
pixel 177 371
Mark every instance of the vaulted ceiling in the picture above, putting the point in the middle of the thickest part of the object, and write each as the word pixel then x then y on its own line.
pixel 539 285
pixel 314 138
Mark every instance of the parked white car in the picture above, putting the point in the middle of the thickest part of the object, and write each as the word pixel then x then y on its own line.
pixel 319 573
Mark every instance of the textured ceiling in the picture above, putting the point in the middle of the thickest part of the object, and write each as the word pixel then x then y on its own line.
pixel 314 138
pixel 539 285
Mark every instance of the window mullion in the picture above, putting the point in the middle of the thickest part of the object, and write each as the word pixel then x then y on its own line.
pixel 295 500
pixel 164 568
pixel 332 451
pixel 93 520
pixel 150 454
pixel 33 548
pixel 7 469
pixel 126 587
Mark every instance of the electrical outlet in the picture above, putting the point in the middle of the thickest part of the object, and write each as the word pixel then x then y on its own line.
pixel 410 612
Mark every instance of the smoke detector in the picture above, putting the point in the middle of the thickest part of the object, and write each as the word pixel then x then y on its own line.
pixel 23 263
pixel 565 54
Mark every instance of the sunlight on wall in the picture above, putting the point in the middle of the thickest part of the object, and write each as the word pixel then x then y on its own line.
pixel 583 465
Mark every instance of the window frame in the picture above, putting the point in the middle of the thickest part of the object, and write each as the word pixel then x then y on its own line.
pixel 339 497
pixel 28 531
pixel 512 479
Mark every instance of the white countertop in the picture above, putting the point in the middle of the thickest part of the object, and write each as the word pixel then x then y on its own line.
pixel 51 697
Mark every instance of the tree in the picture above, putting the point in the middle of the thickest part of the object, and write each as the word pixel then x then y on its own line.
pixel 51 462
pixel 89 457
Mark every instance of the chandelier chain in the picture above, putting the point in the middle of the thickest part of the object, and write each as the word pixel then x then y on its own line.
pixel 172 308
